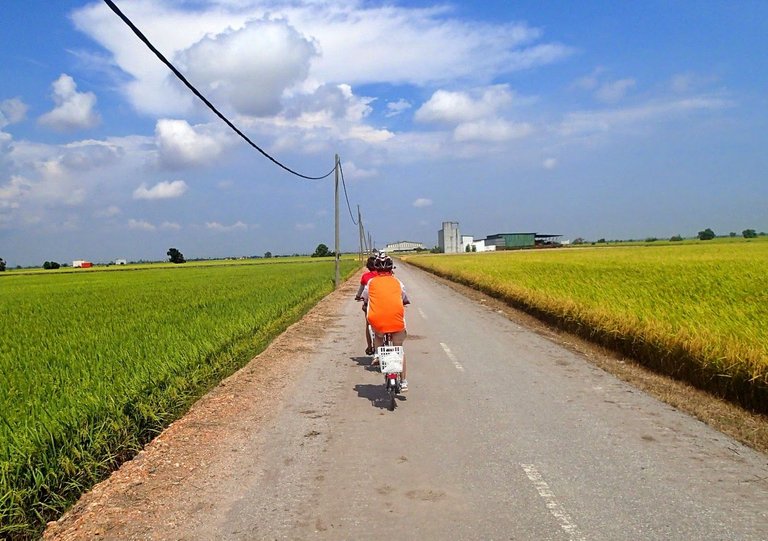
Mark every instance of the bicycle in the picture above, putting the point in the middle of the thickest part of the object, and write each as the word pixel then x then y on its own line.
pixel 391 365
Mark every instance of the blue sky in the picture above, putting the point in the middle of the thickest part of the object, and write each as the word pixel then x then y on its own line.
pixel 587 119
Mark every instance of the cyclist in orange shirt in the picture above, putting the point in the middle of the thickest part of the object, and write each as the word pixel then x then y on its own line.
pixel 386 300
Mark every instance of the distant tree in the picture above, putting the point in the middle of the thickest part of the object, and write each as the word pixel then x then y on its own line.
pixel 676 238
pixel 2 265
pixel 175 256
pixel 50 265
pixel 267 254
pixel 600 241
pixel 322 251
pixel 468 249
pixel 707 234
pixel 747 234
pixel 732 234
pixel 474 248
pixel 651 239
pixel 579 240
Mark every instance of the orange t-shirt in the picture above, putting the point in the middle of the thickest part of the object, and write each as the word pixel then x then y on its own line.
pixel 386 311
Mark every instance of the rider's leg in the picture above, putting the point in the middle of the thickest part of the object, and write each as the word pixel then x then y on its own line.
pixel 398 338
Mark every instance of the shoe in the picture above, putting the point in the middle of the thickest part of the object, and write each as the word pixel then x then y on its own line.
pixel 370 350
pixel 404 386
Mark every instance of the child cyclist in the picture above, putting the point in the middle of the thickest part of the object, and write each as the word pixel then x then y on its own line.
pixel 364 279
pixel 386 299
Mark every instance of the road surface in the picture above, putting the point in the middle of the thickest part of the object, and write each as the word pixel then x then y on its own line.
pixel 503 435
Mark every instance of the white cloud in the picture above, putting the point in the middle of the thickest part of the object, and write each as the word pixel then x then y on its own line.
pixel 140 225
pixel 353 172
pixel 248 52
pixel 549 163
pixel 614 91
pixel 304 227
pixel 422 202
pixel 74 110
pixel 585 122
pixel 446 107
pixel 395 108
pixel 171 226
pixel 12 111
pixel 161 190
pixel 180 145
pixel 250 68
pixel 494 131
pixel 216 226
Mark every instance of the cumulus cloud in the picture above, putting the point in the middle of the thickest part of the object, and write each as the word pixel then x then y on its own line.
pixel 161 190
pixel 250 68
pixel 171 226
pixel 140 225
pixel 74 110
pixel 180 145
pixel 248 53
pixel 445 107
pixel 422 202
pixel 12 111
pixel 216 226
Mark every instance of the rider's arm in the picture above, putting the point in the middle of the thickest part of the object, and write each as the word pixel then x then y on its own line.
pixel 359 295
pixel 404 294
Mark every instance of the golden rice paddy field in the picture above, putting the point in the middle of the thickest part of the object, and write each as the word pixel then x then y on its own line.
pixel 697 311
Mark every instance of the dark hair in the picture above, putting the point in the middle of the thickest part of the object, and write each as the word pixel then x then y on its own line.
pixel 370 263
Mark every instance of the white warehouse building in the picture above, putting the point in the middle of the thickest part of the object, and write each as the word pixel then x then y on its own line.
pixel 404 246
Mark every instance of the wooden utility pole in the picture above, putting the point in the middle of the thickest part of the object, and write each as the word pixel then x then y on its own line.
pixel 336 249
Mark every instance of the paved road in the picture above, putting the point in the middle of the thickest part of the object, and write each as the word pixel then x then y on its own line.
pixel 503 435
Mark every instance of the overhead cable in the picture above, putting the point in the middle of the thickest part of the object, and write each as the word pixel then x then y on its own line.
pixel 344 184
pixel 189 85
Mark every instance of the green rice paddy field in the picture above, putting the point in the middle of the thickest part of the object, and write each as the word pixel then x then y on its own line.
pixel 95 363
pixel 696 311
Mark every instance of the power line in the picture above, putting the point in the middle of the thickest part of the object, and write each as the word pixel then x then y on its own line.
pixel 189 85
pixel 344 184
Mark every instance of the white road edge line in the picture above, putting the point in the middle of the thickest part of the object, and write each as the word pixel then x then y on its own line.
pixel 562 516
pixel 452 357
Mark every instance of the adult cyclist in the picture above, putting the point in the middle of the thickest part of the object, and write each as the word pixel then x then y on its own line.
pixel 386 300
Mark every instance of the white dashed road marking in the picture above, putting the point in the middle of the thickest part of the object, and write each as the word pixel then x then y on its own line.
pixel 452 357
pixel 566 523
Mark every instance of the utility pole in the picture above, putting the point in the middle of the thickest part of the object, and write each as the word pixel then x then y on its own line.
pixel 336 249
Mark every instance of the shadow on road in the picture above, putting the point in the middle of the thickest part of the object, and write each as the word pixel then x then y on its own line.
pixel 365 362
pixel 375 394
